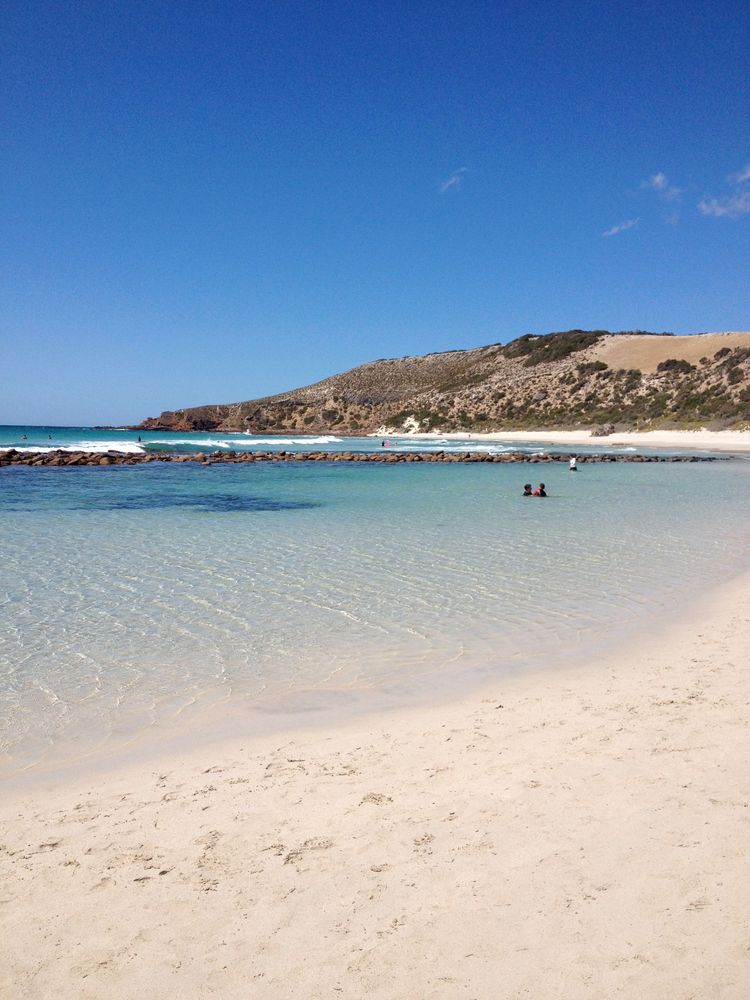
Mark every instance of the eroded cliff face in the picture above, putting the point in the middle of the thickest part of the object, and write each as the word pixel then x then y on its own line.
pixel 577 378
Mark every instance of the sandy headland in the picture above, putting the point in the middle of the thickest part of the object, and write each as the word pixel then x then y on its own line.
pixel 573 378
pixel 582 832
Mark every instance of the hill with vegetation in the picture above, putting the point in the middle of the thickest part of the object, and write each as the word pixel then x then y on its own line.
pixel 573 379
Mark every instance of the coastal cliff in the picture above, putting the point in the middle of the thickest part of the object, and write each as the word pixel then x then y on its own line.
pixel 578 378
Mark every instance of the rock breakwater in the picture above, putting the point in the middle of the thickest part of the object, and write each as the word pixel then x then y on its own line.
pixel 59 459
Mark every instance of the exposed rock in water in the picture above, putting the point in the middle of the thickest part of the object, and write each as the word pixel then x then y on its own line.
pixel 58 458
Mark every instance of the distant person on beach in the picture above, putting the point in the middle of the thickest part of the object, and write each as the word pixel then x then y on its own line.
pixel 527 490
pixel 540 491
pixel 573 464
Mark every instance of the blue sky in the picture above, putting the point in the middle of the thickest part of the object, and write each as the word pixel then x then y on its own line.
pixel 205 202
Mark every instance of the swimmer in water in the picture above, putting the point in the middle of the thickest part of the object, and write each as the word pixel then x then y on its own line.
pixel 540 491
pixel 527 490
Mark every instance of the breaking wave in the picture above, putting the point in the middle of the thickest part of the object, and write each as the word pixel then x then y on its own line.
pixel 246 441
pixel 323 439
pixel 123 447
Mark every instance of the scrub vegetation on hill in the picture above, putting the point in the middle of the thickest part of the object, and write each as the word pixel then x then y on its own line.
pixel 552 346
pixel 559 380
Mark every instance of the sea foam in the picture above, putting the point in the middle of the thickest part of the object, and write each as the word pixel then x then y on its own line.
pixel 123 447
pixel 246 441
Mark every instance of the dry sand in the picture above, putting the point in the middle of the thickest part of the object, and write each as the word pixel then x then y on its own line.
pixel 630 350
pixel 702 440
pixel 581 833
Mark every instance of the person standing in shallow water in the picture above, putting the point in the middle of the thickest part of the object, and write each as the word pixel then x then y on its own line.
pixel 527 490
pixel 573 464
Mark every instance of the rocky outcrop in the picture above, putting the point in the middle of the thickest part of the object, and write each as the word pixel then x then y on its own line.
pixel 574 379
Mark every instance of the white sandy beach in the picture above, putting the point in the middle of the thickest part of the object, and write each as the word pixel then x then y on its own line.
pixel 702 440
pixel 582 833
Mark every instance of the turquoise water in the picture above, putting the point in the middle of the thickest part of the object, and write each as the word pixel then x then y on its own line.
pixel 130 596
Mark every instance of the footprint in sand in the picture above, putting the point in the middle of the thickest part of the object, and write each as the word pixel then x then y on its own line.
pixel 314 844
pixel 376 799
pixel 697 904
pixel 422 844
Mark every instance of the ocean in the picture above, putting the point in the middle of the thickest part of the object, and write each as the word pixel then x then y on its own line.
pixel 92 439
pixel 144 600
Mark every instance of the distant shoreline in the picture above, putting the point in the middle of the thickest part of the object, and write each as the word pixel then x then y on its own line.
pixel 696 440
pixel 702 440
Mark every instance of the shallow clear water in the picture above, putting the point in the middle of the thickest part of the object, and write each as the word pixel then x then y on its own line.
pixel 130 593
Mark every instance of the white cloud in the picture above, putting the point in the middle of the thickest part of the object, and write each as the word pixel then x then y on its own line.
pixel 665 190
pixel 455 180
pixel 741 176
pixel 731 207
pixel 621 227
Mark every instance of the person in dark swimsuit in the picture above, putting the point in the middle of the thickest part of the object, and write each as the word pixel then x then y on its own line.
pixel 527 491
pixel 540 491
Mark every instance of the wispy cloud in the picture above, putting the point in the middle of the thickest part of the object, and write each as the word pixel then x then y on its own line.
pixel 741 176
pixel 665 190
pixel 731 207
pixel 621 227
pixel 455 180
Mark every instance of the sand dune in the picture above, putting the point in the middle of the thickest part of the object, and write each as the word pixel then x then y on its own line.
pixel 580 834
pixel 645 352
